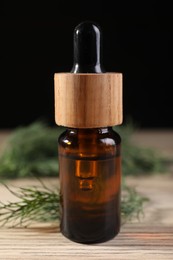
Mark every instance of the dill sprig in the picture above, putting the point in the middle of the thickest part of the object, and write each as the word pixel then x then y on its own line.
pixel 41 204
pixel 137 160
pixel 31 150
pixel 131 203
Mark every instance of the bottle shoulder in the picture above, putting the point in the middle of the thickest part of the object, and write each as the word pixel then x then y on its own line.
pixel 115 136
pixel 67 138
pixel 103 140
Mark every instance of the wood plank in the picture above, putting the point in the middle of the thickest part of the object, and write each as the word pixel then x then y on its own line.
pixel 133 242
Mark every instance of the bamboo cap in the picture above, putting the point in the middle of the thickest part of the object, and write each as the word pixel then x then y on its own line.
pixel 88 100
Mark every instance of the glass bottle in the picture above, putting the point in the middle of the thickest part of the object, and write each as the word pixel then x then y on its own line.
pixel 90 174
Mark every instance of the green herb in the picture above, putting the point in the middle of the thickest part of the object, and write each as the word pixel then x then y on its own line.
pixel 42 204
pixel 138 160
pixel 32 151
pixel 131 204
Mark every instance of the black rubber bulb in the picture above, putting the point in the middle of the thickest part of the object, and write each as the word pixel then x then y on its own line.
pixel 87 49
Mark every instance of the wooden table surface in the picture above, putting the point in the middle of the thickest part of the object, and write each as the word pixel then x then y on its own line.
pixel 149 238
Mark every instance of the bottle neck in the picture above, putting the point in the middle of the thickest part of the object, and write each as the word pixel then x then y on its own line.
pixel 89 131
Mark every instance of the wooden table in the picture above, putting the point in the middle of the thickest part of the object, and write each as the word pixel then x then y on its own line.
pixel 149 238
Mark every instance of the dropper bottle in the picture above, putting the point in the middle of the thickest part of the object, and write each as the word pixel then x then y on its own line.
pixel 88 102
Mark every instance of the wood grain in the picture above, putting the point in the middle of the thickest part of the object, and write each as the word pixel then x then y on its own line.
pixel 134 242
pixel 88 100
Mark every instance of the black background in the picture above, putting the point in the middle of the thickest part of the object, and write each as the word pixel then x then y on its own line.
pixel 37 41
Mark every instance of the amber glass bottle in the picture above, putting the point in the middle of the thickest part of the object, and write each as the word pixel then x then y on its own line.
pixel 90 173
pixel 88 102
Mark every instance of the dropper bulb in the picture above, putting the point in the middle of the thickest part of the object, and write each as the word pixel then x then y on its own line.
pixel 87 48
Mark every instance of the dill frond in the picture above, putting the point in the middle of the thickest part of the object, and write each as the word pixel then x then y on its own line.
pixel 42 204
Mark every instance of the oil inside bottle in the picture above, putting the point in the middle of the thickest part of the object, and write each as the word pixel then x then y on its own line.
pixel 90 197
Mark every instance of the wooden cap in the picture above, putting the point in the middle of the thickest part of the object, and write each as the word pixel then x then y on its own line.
pixel 88 100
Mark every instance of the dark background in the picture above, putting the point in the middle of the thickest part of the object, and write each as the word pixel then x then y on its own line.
pixel 37 41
